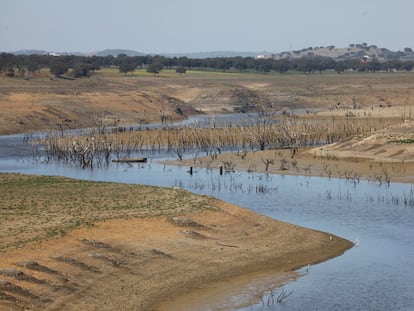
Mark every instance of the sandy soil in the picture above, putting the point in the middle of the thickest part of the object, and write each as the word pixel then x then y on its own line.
pixel 113 99
pixel 382 156
pixel 41 103
pixel 44 104
pixel 136 264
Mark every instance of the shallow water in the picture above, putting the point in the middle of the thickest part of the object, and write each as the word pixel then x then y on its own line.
pixel 376 275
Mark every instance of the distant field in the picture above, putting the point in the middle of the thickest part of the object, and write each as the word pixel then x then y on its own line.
pixel 42 103
pixel 190 73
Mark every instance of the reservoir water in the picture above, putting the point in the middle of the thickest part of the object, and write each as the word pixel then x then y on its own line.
pixel 377 274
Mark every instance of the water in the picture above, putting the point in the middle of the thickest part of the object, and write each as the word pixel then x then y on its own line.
pixel 376 275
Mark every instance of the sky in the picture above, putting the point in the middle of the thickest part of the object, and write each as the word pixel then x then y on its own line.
pixel 184 26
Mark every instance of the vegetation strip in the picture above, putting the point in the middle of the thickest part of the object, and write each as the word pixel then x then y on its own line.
pixel 35 208
pixel 141 258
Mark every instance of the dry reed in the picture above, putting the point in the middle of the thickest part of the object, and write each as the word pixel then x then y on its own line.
pixel 96 147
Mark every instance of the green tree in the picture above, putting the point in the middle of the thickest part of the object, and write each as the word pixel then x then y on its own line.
pixel 32 66
pixel 240 64
pixel 281 65
pixel 10 72
pixel 184 62
pixel 155 68
pixel 6 61
pixel 304 65
pixel 223 63
pixel 408 65
pixel 181 70
pixel 340 67
pixel 58 67
pixel 265 66
pixel 374 65
pixel 81 70
pixel 126 66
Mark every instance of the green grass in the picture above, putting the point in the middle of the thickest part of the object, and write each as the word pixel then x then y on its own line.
pixel 403 141
pixel 194 73
pixel 41 207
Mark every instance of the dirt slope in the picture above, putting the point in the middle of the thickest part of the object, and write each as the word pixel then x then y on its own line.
pixel 135 263
pixel 42 104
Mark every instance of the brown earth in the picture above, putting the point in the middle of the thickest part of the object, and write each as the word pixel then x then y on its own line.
pixel 107 97
pixel 136 263
pixel 133 261
pixel 382 156
pixel 112 99
pixel 43 104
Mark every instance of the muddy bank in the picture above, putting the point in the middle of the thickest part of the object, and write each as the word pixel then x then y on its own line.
pixel 381 156
pixel 136 263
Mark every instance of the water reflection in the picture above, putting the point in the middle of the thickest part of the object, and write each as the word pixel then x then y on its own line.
pixel 376 275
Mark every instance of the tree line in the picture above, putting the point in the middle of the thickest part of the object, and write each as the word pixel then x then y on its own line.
pixel 82 66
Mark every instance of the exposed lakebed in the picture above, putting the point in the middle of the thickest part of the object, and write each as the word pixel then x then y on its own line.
pixel 377 274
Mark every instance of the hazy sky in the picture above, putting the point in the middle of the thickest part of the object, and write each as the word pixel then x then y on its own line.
pixel 173 26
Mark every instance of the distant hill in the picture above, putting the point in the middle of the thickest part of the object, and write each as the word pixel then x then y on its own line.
pixel 338 53
pixel 43 52
pixel 113 52
pixel 351 52
pixel 30 52
pixel 116 52
pixel 213 54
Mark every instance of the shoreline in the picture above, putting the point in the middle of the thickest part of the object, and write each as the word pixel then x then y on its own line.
pixel 381 157
pixel 308 162
pixel 137 263
pixel 194 274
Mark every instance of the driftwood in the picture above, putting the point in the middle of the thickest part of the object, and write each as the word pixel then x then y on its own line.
pixel 130 160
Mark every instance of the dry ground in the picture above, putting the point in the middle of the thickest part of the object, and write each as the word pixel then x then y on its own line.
pixel 122 256
pixel 77 248
pixel 382 156
pixel 44 104
pixel 382 99
pixel 41 103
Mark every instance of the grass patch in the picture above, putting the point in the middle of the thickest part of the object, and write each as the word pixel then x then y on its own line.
pixel 403 141
pixel 35 208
